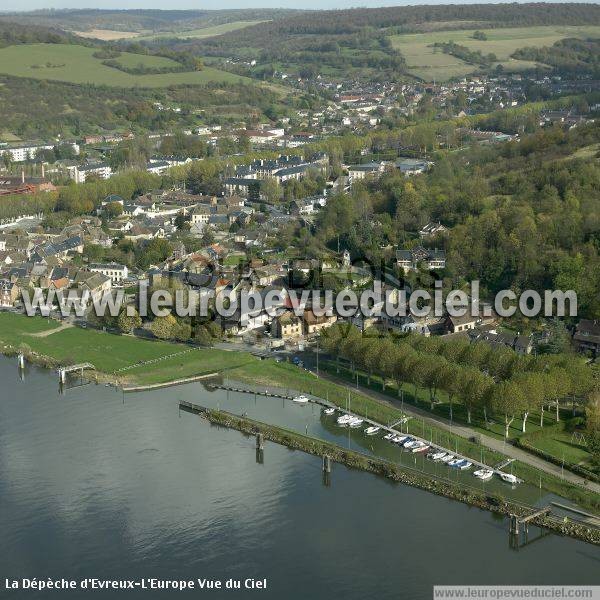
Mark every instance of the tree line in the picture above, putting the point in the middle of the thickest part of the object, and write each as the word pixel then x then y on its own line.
pixel 491 380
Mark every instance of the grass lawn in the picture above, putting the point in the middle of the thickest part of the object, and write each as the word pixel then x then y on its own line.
pixel 232 260
pixel 563 445
pixel 76 64
pixel 427 63
pixel 110 352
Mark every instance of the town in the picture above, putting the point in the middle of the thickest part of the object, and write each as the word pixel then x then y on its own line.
pixel 302 297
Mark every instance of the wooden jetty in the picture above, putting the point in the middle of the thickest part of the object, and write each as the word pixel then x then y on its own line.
pixel 81 367
pixel 385 428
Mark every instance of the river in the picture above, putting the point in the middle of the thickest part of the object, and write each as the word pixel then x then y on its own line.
pixel 95 483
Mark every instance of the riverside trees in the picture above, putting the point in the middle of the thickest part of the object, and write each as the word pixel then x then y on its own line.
pixel 482 378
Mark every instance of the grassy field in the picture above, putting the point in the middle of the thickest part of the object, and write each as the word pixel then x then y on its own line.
pixel 205 32
pixel 427 63
pixel 109 352
pixel 76 64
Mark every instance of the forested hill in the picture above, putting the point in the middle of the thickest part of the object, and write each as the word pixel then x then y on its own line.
pixel 343 41
pixel 413 18
pixel 142 19
pixel 570 56
pixel 14 33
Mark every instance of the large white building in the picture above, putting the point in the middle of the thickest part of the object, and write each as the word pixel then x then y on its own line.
pixel 115 271
pixel 81 173
pixel 27 151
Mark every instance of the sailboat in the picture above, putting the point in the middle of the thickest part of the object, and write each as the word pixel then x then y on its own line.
pixel 329 411
pixel 508 477
pixel 483 474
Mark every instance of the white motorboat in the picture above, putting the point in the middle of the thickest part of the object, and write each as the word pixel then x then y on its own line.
pixel 438 455
pixel 390 437
pixel 372 430
pixel 411 444
pixel 421 448
pixel 302 399
pixel 400 439
pixel 328 411
pixel 465 465
pixel 355 422
pixel 455 462
pixel 448 458
pixel 483 474
pixel 508 477
pixel 343 420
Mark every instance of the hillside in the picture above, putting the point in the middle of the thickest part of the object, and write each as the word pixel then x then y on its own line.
pixel 140 21
pixel 77 64
pixel 365 43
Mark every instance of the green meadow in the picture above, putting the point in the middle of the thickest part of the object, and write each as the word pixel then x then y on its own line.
pixel 76 64
pixel 428 63
pixel 110 352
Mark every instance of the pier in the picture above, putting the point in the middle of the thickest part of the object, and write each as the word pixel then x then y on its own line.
pixel 81 367
pixel 390 428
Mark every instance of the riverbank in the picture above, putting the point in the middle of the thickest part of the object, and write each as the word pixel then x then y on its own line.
pixel 392 471
pixel 149 364
pixel 122 360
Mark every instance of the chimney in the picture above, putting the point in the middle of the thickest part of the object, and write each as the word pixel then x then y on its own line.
pixel 22 175
pixel 43 172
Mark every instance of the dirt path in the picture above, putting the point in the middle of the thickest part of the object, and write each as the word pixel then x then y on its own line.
pixel 43 334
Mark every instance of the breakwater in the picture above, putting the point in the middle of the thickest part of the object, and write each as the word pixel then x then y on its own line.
pixel 392 471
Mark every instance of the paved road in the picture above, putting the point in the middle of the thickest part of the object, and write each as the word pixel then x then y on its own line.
pixel 488 441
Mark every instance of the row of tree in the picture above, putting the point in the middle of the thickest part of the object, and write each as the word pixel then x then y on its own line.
pixel 494 381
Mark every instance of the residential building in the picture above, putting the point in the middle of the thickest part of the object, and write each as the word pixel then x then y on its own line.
pixel 287 326
pixel 587 336
pixel 115 271
pixel 410 259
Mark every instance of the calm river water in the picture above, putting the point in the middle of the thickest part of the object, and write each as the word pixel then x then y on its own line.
pixel 97 484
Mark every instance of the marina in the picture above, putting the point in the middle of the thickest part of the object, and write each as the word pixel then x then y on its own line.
pixel 412 443
pixel 128 485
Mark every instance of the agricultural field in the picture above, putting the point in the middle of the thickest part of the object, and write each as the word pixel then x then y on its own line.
pixel 76 64
pixel 204 32
pixel 107 35
pixel 428 63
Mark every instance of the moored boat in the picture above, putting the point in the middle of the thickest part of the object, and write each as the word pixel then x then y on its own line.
pixel 302 399
pixel 329 411
pixel 483 474
pixel 438 455
pixel 448 458
pixel 421 448
pixel 508 477
pixel 355 422
pixel 372 430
